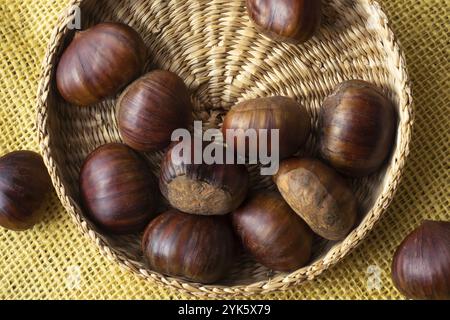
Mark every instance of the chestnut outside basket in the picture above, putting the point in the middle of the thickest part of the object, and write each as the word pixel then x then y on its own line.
pixel 213 46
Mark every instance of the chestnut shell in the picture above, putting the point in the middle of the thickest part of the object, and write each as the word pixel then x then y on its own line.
pixel 151 108
pixel 421 264
pixel 357 128
pixel 319 195
pixel 99 62
pixel 214 189
pixel 277 112
pixel 273 233
pixel 24 183
pixel 193 247
pixel 118 189
pixel 293 21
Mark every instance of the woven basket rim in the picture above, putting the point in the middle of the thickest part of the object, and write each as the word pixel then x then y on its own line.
pixel 280 282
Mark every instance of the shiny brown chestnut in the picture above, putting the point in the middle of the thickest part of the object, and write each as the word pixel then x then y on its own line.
pixel 151 108
pixel 293 21
pixel 193 247
pixel 204 189
pixel 99 62
pixel 357 128
pixel 24 183
pixel 282 113
pixel 118 189
pixel 421 264
pixel 319 195
pixel 274 234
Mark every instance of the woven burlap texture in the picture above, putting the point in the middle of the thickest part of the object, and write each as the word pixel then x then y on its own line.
pixel 54 261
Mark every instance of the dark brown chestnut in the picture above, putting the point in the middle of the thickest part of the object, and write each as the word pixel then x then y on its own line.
pixel 99 62
pixel 24 183
pixel 282 113
pixel 421 264
pixel 293 21
pixel 151 108
pixel 357 128
pixel 204 189
pixel 118 189
pixel 319 195
pixel 196 248
pixel 274 234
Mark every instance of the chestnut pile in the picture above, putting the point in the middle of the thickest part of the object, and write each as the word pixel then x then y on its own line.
pixel 212 213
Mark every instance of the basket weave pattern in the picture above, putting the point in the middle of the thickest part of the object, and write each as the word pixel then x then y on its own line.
pixel 224 60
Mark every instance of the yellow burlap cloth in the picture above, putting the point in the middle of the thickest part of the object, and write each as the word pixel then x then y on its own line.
pixel 54 260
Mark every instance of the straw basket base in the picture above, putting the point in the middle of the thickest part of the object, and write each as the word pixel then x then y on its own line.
pixel 213 46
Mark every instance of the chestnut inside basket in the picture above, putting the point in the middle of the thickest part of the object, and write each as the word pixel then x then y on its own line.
pixel 213 46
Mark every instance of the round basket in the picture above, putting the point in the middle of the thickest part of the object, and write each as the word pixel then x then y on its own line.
pixel 213 46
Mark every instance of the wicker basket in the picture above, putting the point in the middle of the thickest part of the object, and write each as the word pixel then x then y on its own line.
pixel 212 45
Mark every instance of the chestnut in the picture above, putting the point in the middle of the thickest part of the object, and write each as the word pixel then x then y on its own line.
pixel 151 108
pixel 196 248
pixel 357 128
pixel 118 189
pixel 204 189
pixel 293 21
pixel 421 264
pixel 274 234
pixel 319 195
pixel 282 113
pixel 24 183
pixel 99 62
